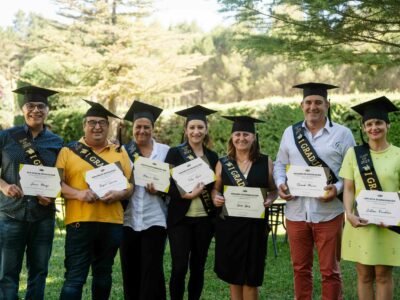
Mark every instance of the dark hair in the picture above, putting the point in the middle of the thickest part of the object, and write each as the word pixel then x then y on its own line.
pixel 254 150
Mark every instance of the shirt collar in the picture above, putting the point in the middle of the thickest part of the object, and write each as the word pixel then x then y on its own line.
pixel 109 144
pixel 325 128
pixel 28 131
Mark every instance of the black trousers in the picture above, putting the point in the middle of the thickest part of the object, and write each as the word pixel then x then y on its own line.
pixel 189 242
pixel 142 263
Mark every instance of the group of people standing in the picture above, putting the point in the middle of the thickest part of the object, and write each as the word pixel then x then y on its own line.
pixel 138 220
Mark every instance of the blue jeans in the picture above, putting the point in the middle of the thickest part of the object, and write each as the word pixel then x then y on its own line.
pixel 16 237
pixel 90 244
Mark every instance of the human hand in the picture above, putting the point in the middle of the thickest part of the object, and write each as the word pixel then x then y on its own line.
pixel 12 190
pixel 218 200
pixel 195 192
pixel 111 196
pixel 330 193
pixel 268 202
pixel 87 196
pixel 283 192
pixel 45 201
pixel 151 189
pixel 356 221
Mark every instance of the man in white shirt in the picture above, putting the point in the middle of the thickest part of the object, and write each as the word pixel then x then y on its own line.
pixel 309 220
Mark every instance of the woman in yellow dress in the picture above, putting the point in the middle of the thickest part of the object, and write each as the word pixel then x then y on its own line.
pixel 374 248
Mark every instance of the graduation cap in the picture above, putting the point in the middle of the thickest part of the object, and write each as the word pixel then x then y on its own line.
pixel 314 88
pixel 98 110
pixel 377 108
pixel 142 110
pixel 196 112
pixel 320 89
pixel 33 93
pixel 243 123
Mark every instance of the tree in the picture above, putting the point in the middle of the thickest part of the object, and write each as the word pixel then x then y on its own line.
pixel 107 52
pixel 335 32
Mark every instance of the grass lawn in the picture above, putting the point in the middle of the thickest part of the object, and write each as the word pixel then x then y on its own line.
pixel 278 282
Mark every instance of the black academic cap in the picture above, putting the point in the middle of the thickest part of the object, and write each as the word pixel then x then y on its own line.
pixel 196 112
pixel 314 88
pixel 243 123
pixel 34 94
pixel 142 110
pixel 98 110
pixel 377 108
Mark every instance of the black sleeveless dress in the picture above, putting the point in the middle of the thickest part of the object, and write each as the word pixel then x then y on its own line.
pixel 241 243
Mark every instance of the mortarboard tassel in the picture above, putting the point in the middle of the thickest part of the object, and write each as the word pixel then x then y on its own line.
pixel 119 137
pixel 329 114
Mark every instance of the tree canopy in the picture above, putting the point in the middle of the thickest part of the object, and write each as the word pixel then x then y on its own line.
pixel 366 32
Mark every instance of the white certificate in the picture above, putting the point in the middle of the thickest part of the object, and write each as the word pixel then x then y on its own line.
pixel 305 181
pixel 107 178
pixel 245 202
pixel 189 174
pixel 379 207
pixel 40 180
pixel 147 170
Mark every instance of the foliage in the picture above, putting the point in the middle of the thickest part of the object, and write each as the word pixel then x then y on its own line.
pixel 68 124
pixel 334 32
pixel 104 50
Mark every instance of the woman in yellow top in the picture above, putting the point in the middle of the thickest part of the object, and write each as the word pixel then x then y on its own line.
pixel 374 248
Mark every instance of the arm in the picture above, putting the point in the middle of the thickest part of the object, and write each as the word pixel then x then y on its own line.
pixel 279 171
pixel 273 193
pixel 217 197
pixel 348 202
pixel 71 193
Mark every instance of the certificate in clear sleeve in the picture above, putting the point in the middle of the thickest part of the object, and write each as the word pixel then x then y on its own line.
pixel 306 181
pixel 40 180
pixel 246 202
pixel 379 207
pixel 106 178
pixel 191 173
pixel 147 171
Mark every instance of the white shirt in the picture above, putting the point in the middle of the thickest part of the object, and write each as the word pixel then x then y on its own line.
pixel 145 210
pixel 331 144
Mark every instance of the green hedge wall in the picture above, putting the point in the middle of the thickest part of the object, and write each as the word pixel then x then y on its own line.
pixel 68 124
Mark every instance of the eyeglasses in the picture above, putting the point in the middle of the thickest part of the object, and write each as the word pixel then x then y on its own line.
pixel 31 106
pixel 93 123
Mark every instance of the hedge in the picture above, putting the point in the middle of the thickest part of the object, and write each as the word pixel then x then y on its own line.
pixel 68 124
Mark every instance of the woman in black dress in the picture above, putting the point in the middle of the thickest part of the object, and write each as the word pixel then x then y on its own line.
pixel 241 243
pixel 190 225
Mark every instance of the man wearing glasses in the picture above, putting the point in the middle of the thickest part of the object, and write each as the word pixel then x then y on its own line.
pixel 26 222
pixel 93 223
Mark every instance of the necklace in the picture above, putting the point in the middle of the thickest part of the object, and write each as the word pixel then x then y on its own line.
pixel 246 164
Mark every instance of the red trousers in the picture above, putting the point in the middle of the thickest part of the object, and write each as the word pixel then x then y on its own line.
pixel 327 237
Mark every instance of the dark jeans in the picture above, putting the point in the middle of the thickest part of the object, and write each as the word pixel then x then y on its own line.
pixel 90 244
pixel 142 255
pixel 189 241
pixel 16 238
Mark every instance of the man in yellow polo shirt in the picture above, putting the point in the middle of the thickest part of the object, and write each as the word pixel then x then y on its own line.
pixel 94 225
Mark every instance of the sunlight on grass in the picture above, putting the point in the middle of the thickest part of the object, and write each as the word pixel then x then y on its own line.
pixel 278 280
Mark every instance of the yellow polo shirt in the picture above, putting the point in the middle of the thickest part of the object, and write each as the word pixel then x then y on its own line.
pixel 74 170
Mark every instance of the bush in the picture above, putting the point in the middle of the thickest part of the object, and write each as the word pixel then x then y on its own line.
pixel 68 124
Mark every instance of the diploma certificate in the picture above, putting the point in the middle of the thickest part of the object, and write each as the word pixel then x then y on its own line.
pixel 379 207
pixel 189 174
pixel 305 181
pixel 247 202
pixel 40 180
pixel 147 170
pixel 107 178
